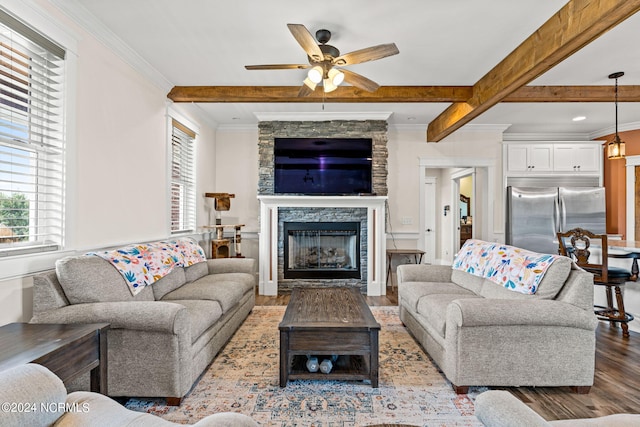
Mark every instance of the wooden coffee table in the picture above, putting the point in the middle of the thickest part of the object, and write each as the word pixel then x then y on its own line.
pixel 329 321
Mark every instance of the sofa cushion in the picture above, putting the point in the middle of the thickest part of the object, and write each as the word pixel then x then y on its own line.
pixel 554 279
pixel 514 268
pixel 245 281
pixel 196 271
pixel 227 294
pixel 168 283
pixel 202 315
pixel 467 280
pixel 548 288
pixel 434 309
pixel 411 292
pixel 89 278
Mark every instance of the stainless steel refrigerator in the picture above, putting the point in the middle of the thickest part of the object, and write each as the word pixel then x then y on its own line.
pixel 534 215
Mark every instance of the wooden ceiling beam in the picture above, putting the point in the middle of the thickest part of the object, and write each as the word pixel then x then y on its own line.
pixel 574 26
pixel 347 94
pixel 399 94
pixel 574 94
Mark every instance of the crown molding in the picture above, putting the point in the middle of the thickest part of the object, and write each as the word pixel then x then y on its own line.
pixel 610 130
pixel 92 25
pixel 484 128
pixel 548 136
pixel 321 116
pixel 238 128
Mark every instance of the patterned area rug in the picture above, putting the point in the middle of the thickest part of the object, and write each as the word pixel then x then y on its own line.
pixel 244 378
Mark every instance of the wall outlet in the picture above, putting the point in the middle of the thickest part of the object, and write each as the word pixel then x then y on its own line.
pixel 407 220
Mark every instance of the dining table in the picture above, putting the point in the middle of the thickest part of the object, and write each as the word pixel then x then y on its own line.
pixel 626 249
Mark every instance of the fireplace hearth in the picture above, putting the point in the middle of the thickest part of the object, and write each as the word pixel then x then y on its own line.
pixel 321 250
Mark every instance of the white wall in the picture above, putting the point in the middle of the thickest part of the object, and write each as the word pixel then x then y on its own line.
pixel 117 169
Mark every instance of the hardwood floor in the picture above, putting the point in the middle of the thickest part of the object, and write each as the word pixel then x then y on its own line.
pixel 616 387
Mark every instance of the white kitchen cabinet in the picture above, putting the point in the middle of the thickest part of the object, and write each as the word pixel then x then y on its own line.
pixel 576 157
pixel 530 157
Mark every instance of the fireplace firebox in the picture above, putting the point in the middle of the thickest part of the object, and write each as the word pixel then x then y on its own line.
pixel 321 250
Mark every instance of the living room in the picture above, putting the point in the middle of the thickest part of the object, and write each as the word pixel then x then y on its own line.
pixel 117 117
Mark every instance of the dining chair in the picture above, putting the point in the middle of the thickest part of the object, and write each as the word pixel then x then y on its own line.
pixel 577 244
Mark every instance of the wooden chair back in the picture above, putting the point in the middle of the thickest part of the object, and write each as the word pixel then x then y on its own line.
pixel 576 244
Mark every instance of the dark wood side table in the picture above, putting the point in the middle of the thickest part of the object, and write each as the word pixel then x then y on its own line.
pixel 66 350
pixel 417 257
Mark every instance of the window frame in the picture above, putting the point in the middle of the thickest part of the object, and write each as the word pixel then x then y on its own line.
pixel 19 264
pixel 33 148
pixel 186 206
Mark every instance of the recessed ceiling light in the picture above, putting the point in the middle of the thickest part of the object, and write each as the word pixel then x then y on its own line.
pixel 578 118
pixel 411 118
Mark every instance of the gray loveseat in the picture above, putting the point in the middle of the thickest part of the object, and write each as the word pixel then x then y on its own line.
pixel 161 339
pixel 481 334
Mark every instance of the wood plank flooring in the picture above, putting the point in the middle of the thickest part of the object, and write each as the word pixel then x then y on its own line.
pixel 617 381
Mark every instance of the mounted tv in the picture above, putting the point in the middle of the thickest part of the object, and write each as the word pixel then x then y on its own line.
pixel 323 166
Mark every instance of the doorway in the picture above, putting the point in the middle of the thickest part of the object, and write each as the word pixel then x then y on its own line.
pixel 464 195
pixel 445 209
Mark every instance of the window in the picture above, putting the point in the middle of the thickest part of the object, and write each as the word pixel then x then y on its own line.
pixel 32 145
pixel 183 188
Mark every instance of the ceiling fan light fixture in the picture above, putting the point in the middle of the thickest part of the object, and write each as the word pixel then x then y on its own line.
pixel 615 148
pixel 328 86
pixel 336 76
pixel 315 74
pixel 311 85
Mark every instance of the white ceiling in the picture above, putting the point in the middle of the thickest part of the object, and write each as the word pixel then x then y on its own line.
pixel 454 42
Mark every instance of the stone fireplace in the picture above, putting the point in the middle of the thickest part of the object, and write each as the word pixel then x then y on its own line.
pixel 348 242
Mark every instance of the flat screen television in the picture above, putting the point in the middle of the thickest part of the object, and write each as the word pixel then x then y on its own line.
pixel 323 166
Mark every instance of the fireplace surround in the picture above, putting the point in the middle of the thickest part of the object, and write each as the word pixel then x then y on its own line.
pixel 373 240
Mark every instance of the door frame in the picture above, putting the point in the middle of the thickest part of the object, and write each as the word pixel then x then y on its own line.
pixel 631 163
pixel 429 257
pixel 455 197
pixel 487 203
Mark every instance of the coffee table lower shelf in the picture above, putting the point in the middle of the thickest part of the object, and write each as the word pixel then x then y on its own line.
pixel 346 368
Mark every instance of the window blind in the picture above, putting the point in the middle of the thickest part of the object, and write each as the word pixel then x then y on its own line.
pixel 32 145
pixel 183 200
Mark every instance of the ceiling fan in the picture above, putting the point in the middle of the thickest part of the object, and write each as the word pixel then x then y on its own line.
pixel 325 60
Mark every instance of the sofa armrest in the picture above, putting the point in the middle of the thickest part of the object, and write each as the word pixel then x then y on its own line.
pixel 423 273
pixel 232 265
pixel 499 408
pixel 156 316
pixel 31 386
pixel 504 312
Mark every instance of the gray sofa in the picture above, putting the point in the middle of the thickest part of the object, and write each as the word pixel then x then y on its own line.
pixel 161 339
pixel 499 408
pixel 481 334
pixel 39 399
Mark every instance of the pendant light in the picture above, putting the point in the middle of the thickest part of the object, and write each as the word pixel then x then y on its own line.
pixel 615 148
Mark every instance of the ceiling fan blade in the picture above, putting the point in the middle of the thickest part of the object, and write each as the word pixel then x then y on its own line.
pixel 307 41
pixel 359 81
pixel 305 91
pixel 367 54
pixel 277 67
